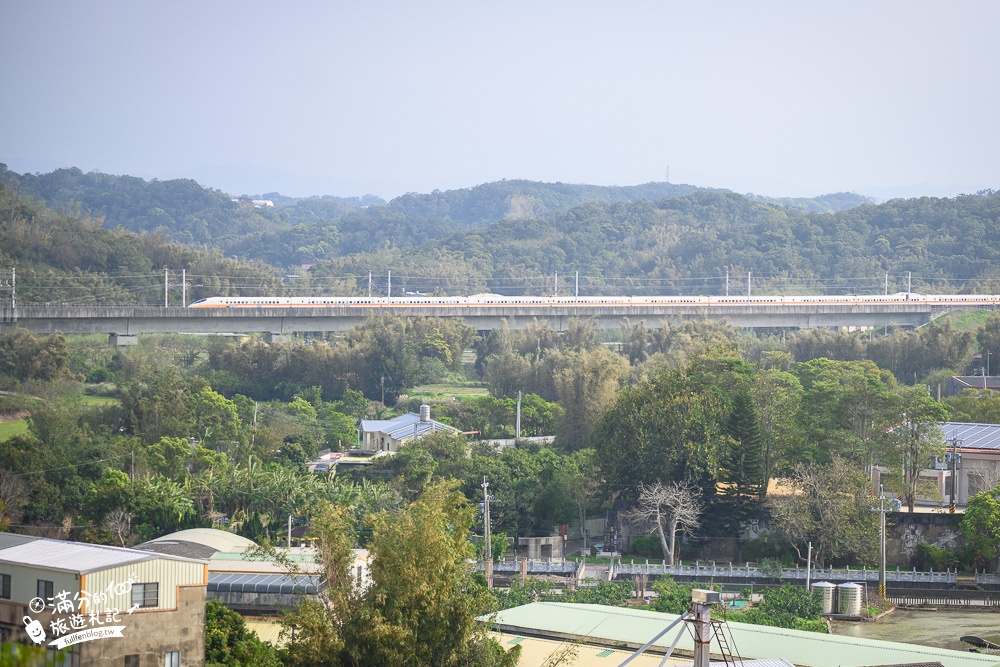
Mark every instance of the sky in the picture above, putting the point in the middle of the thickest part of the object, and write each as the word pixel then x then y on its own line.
pixel 886 98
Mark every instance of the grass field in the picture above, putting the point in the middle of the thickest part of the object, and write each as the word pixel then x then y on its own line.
pixel 968 320
pixel 457 385
pixel 457 389
pixel 10 429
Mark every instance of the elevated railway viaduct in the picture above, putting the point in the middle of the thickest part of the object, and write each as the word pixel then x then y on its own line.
pixel 125 323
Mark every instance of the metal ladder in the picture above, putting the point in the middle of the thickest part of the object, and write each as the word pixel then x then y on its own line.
pixel 719 629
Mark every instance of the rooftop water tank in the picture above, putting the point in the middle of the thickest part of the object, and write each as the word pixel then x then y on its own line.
pixel 829 594
pixel 849 599
pixel 425 413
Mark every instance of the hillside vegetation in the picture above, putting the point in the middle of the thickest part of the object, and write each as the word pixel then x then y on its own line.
pixel 509 237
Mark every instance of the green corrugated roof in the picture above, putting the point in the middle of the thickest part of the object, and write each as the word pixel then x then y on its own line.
pixel 621 626
pixel 252 556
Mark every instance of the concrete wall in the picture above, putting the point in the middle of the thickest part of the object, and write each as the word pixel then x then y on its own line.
pixel 151 635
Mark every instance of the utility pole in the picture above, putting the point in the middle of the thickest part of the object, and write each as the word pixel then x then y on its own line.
pixel 954 473
pixel 555 284
pixel 577 291
pixel 369 284
pixel 388 290
pixel 166 287
pixel 253 431
pixel 881 560
pixel 487 545
pixel 749 274
pixel 909 282
pixel 517 427
pixel 887 283
pixel 727 282
pixel 809 562
pixel 184 287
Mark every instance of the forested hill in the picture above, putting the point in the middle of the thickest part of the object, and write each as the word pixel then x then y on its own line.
pixel 490 202
pixel 620 240
pixel 685 246
pixel 62 257
pixel 184 211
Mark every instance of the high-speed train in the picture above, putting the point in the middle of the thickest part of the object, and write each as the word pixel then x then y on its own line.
pixel 950 300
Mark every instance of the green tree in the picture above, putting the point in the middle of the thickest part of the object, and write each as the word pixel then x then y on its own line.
pixel 742 463
pixel 981 527
pixel 847 409
pixel 586 383
pixel 975 407
pixel 666 428
pixel 777 397
pixel 228 642
pixel 422 603
pixel 988 338
pixel 918 437
pixel 24 356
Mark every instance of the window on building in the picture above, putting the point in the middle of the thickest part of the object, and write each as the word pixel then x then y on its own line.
pixel 172 659
pixel 5 586
pixel 132 660
pixel 146 595
pixel 44 589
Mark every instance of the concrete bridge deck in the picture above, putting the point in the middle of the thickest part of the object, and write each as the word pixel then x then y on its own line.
pixel 127 322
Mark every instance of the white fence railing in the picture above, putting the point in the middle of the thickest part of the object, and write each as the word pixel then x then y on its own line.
pixel 535 566
pixel 984 578
pixel 702 570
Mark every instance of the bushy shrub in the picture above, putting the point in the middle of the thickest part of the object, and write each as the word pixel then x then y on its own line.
pixel 647 545
pixel 786 607
pixel 930 557
pixel 672 597
pixel 767 546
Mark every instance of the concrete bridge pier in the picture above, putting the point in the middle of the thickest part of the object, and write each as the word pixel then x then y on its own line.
pixel 123 339
pixel 278 338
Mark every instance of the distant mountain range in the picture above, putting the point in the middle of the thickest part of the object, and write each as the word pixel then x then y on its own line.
pixel 513 236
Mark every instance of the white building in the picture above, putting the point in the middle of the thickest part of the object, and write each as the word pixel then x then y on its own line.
pixel 388 435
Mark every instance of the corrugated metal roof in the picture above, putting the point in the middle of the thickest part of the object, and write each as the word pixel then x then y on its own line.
pixel 972 436
pixel 8 540
pixel 536 651
pixel 404 426
pixel 274 584
pixel 77 557
pixel 617 626
pixel 220 540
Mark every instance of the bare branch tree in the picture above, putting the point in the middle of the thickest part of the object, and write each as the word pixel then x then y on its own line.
pixel 13 495
pixel 119 522
pixel 989 475
pixel 668 509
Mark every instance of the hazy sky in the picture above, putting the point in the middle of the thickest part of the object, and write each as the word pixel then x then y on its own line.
pixel 346 98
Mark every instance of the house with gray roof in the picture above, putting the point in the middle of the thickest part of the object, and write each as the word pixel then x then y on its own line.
pixel 388 435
